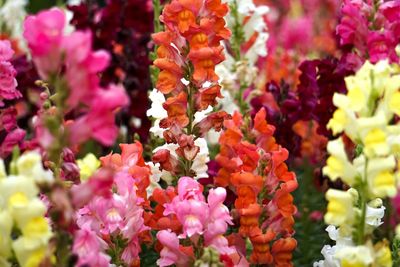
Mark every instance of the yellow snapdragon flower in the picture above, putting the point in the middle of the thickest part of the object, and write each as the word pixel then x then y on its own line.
pixel 340 207
pixel 21 208
pixel 381 179
pixel 338 165
pixel 383 255
pixel 5 234
pixel 88 165
pixel 394 103
pixel 355 256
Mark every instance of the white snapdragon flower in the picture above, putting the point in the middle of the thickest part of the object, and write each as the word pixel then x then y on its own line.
pixel 157 112
pixel 374 215
pixel 12 15
pixel 155 176
pixel 200 115
pixel 199 165
pixel 201 159
pixel 329 252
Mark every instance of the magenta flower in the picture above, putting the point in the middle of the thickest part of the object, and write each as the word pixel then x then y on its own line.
pixel 8 83
pixel 13 138
pixel 381 45
pixel 44 35
pixel 82 67
pixel 99 122
pixel 390 10
pixel 353 27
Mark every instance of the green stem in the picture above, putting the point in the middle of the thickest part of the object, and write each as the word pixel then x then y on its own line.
pixel 237 31
pixel 363 206
pixel 157 11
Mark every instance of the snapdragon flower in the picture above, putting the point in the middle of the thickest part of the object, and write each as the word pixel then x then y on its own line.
pixel 21 208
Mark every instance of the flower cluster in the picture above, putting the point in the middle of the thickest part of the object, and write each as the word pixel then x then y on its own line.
pixel 77 89
pixel 365 158
pixel 291 111
pixel 127 40
pixel 113 219
pixel 187 85
pixel 371 27
pixel 25 231
pixel 198 218
pixel 13 135
pixel 248 44
pixel 252 165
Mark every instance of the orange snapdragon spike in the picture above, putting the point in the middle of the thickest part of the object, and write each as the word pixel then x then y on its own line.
pixel 254 165
pixel 188 50
pixel 282 251
pixel 261 249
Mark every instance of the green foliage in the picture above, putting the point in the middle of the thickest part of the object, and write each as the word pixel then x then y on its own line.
pixel 35 6
pixel 148 255
pixel 310 234
pixel 396 252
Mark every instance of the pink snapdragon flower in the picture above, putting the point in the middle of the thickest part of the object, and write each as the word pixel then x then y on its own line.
pixel 8 83
pixel 99 122
pixel 90 249
pixel 199 217
pixel 71 59
pixel 171 253
pixel 82 67
pixel 218 222
pixel 119 214
pixel 353 27
pixel 189 206
pixel 13 138
pixel 44 34
pixel 99 184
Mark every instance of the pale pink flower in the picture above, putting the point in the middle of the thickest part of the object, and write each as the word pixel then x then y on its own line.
pixel 89 248
pixel 171 254
pixel 99 184
pixel 188 188
pixel 120 214
pixel 189 206
pixel 6 51
pixel 218 222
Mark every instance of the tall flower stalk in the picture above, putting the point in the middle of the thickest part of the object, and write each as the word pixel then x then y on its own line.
pixel 187 86
pixel 365 158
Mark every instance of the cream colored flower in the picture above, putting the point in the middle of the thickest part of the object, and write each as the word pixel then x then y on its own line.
pixel 30 165
pixel 88 166
pixel 338 165
pixel 340 207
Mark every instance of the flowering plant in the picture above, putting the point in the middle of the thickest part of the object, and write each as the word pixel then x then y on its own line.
pixel 199 133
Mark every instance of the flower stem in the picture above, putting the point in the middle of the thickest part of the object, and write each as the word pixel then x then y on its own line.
pixel 363 206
